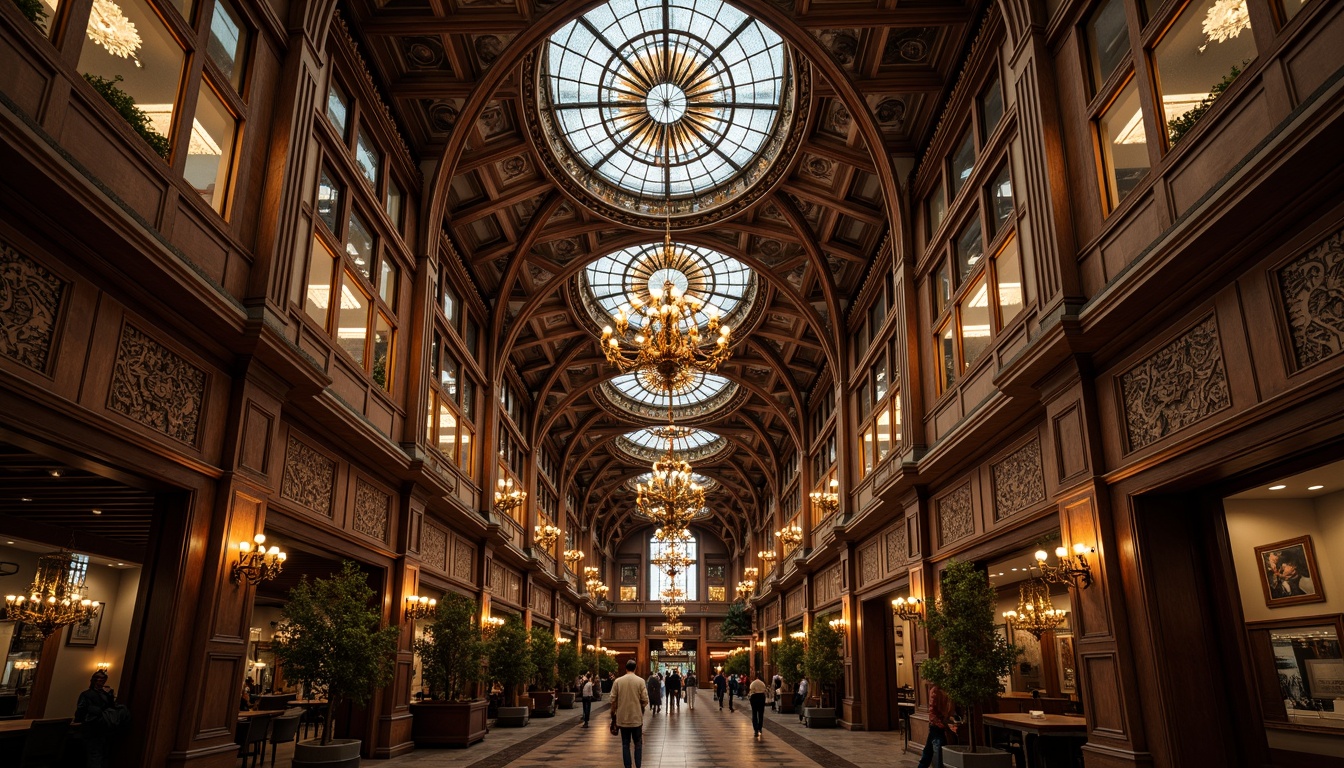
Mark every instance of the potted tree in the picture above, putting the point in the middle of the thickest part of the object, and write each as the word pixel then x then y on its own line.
pixel 451 653
pixel 971 656
pixel 330 637
pixel 738 621
pixel 569 666
pixel 789 653
pixel 541 645
pixel 511 666
pixel 824 665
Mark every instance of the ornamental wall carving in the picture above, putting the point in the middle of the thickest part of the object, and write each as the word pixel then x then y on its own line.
pixel 627 630
pixel 156 387
pixel 826 588
pixel 309 478
pixel 898 546
pixel 541 600
pixel 30 305
pixel 956 515
pixel 372 509
pixel 434 547
pixel 771 614
pixel 794 603
pixel 1181 384
pixel 464 560
pixel 1310 287
pixel 586 625
pixel 1019 480
pixel 568 614
pixel 870 566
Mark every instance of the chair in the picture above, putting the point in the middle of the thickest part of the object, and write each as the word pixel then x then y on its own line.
pixel 45 742
pixel 283 729
pixel 251 738
pixel 315 716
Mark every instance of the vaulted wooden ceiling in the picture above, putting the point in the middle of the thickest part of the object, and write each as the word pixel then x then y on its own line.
pixel 880 72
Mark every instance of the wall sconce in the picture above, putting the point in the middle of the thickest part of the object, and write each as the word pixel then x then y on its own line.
pixel 790 535
pixel 911 609
pixel 545 535
pixel 491 623
pixel 572 557
pixel 259 564
pixel 562 640
pixel 829 501
pixel 776 639
pixel 798 635
pixel 766 556
pixel 103 666
pixel 420 607
pixel 591 647
pixel 25 664
pixel 750 574
pixel 508 497
pixel 839 624
pixel 1071 569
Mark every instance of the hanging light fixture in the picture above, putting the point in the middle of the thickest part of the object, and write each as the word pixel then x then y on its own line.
pixel 767 556
pixel 1070 569
pixel 418 607
pixel 1035 613
pixel 56 598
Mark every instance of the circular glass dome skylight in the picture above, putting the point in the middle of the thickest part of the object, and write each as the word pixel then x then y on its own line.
pixel 720 282
pixel 703 387
pixel 689 443
pixel 664 100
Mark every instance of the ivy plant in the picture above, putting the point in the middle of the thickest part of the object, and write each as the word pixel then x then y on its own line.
pixel 1180 125
pixel 125 106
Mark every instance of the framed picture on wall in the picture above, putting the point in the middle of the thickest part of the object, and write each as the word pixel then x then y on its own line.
pixel 1068 664
pixel 630 575
pixel 1288 572
pixel 85 633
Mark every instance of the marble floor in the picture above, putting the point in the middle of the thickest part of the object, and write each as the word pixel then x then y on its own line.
pixel 703 738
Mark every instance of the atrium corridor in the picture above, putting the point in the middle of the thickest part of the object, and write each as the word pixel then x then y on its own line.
pixel 705 738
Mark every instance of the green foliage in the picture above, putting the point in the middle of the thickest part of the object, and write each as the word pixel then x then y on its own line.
pixel 1178 126
pixel 122 102
pixel 737 663
pixel 789 654
pixel 738 621
pixel 606 664
pixel 823 661
pixel 541 645
pixel 34 11
pixel 329 636
pixel 510 658
pixel 452 650
pixel 568 664
pixel 971 656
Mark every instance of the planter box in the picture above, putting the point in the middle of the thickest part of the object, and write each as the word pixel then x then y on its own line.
pixel 448 723
pixel 566 700
pixel 513 717
pixel 981 757
pixel 819 717
pixel 543 703
pixel 784 703
pixel 340 753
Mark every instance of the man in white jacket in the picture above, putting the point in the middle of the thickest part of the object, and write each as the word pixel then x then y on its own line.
pixel 629 699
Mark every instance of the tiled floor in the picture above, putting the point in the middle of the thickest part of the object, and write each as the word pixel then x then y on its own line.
pixel 703 738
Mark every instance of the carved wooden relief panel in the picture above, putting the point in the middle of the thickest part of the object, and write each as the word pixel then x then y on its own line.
pixel 1019 480
pixel 464 560
pixel 434 547
pixel 568 613
pixel 715 631
pixel 771 613
pixel 309 478
pixel 586 624
pixel 827 586
pixel 156 387
pixel 794 603
pixel 627 630
pixel 495 581
pixel 1181 384
pixel 31 306
pixel 956 515
pixel 541 600
pixel 513 587
pixel 1310 287
pixel 898 546
pixel 372 509
pixel 870 566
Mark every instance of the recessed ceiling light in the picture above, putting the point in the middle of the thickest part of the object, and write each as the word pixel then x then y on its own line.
pixel 9 542
pixel 1315 487
pixel 1277 487
pixel 97 511
pixel 54 472
pixel 26 498
pixel 1014 569
pixel 120 563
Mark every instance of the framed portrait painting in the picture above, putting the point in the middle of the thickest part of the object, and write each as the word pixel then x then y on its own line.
pixel 1288 572
pixel 85 633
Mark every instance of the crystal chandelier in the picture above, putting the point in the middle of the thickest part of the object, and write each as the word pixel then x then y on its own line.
pixel 1035 613
pixel 672 645
pixel 673 612
pixel 56 597
pixel 665 354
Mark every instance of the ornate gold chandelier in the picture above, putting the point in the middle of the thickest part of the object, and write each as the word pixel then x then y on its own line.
pixel 1035 613
pixel 790 535
pixel 56 597
pixel 672 645
pixel 672 560
pixel 663 352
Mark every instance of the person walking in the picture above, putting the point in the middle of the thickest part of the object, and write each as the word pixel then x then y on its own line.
pixel 673 691
pixel 800 701
pixel 655 693
pixel 732 686
pixel 720 687
pixel 586 690
pixel 941 710
pixel 778 684
pixel 629 699
pixel 757 693
pixel 99 715
pixel 691 684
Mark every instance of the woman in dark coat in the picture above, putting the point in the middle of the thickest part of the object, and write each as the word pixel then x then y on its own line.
pixel 655 693
pixel 94 730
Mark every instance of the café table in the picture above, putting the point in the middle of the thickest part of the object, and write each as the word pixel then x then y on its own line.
pixel 251 713
pixel 1047 742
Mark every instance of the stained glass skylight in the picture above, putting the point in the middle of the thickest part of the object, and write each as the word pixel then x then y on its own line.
pixel 718 280
pixel 667 99
pixel 689 443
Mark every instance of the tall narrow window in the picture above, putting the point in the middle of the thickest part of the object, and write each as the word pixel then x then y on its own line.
pixel 210 152
pixel 659 580
pixel 991 106
pixel 963 162
pixel 338 109
pixel 937 208
pixel 1198 57
pixel 382 351
pixel 975 327
pixel 947 351
pixel 329 200
pixel 1107 40
pixel 359 244
pixel 367 157
pixel 228 43
pixel 1124 145
pixel 1001 200
pixel 353 325
pixel 1008 276
pixel 970 249
pixel 317 297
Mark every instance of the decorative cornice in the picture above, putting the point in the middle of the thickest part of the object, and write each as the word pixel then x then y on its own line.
pixel 343 36
pixel 951 104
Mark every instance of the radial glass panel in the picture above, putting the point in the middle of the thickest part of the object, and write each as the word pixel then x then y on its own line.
pixel 719 281
pixel 666 98
pixel 703 387
pixel 688 443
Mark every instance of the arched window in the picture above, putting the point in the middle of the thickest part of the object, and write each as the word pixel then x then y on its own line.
pixel 658 578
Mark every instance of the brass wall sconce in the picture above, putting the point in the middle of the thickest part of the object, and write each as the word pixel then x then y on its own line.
pixel 790 535
pixel 828 501
pixel 766 556
pixel 545 535
pixel 911 609
pixel 257 565
pixel 508 497
pixel 420 607
pixel 572 557
pixel 1071 569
